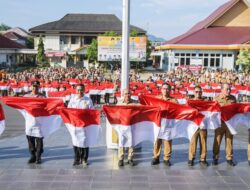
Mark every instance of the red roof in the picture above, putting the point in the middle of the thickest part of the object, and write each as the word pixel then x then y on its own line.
pixel 217 36
pixel 202 33
pixel 6 43
pixel 13 36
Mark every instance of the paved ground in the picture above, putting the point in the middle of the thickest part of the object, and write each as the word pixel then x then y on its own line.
pixel 57 171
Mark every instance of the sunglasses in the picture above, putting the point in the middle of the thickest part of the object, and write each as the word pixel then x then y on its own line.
pixel 198 92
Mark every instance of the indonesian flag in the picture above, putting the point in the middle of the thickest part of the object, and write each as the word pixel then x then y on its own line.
pixel 84 126
pixel 235 115
pixel 134 124
pixel 40 114
pixel 2 120
pixel 211 111
pixel 176 120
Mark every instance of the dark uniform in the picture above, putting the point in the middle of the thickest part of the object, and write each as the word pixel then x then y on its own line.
pixel 223 130
pixel 167 143
pixel 35 143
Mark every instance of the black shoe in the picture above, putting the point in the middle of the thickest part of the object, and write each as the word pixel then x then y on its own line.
pixel 85 162
pixel 155 161
pixel 190 162
pixel 120 163
pixel 32 160
pixel 131 162
pixel 167 163
pixel 76 163
pixel 203 163
pixel 231 163
pixel 215 162
pixel 39 161
pixel 249 162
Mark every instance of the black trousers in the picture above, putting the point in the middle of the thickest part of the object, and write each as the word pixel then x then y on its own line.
pixel 35 145
pixel 81 154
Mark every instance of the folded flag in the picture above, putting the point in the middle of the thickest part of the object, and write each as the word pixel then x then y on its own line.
pixel 211 111
pixel 40 114
pixel 2 120
pixel 176 120
pixel 134 124
pixel 83 125
pixel 235 115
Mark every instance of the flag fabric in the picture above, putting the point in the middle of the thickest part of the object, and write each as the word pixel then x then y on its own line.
pixel 211 111
pixel 236 115
pixel 40 114
pixel 2 120
pixel 134 123
pixel 83 125
pixel 176 120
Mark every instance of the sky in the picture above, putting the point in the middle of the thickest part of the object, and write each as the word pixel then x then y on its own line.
pixel 162 18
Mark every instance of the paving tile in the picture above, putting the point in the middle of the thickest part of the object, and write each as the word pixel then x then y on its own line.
pixel 60 185
pixel 232 179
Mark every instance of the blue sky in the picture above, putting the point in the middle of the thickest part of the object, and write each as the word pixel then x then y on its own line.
pixel 162 18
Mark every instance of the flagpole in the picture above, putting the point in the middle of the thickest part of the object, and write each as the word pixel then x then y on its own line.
pixel 125 45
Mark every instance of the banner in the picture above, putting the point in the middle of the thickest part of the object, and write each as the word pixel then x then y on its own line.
pixel 110 48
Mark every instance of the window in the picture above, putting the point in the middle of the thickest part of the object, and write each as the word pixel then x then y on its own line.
pixel 205 62
pixel 74 40
pixel 200 55
pixel 177 54
pixel 212 55
pixel 188 54
pixel 182 61
pixel 193 55
pixel 205 55
pixel 64 40
pixel 217 55
pixel 217 62
pixel 212 62
pixel 183 54
pixel 230 55
pixel 187 61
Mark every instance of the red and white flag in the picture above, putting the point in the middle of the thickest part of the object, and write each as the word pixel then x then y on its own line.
pixel 211 111
pixel 2 120
pixel 235 115
pixel 176 120
pixel 83 125
pixel 134 124
pixel 40 114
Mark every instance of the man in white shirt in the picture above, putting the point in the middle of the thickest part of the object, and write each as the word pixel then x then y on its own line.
pixel 80 101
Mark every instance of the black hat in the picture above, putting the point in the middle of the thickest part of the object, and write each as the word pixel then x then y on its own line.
pixel 35 83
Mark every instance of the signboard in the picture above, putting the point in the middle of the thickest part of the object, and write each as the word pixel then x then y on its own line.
pixel 55 54
pixel 193 68
pixel 110 48
pixel 196 62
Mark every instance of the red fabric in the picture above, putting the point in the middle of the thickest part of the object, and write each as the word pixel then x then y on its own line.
pixel 35 106
pixel 171 110
pixel 80 117
pixel 2 116
pixel 131 114
pixel 201 105
pixel 229 111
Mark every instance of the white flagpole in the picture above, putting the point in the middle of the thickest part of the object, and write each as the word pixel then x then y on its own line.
pixel 125 45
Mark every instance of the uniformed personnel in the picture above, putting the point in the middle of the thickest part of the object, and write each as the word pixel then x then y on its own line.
pixel 225 98
pixel 165 95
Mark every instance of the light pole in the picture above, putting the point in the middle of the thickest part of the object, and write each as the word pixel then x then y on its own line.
pixel 125 45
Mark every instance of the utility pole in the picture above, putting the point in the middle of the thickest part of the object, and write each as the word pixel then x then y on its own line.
pixel 125 45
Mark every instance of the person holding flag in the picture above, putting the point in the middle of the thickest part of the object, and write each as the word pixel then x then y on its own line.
pixel 35 143
pixel 200 134
pixel 126 100
pixel 225 98
pixel 165 95
pixel 80 101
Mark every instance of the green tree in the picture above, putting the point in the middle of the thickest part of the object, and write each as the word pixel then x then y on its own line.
pixel 30 42
pixel 4 27
pixel 110 33
pixel 40 57
pixel 148 49
pixel 92 52
pixel 243 59
pixel 134 33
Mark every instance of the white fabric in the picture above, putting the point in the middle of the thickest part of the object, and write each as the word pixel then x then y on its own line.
pixel 212 120
pixel 133 135
pixel 84 136
pixel 42 126
pixel 238 120
pixel 173 128
pixel 2 126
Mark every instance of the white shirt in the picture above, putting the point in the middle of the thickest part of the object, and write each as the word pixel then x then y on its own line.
pixel 80 103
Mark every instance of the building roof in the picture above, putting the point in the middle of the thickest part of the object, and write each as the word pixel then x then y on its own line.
pixel 204 33
pixel 88 23
pixel 19 31
pixel 6 43
pixel 13 36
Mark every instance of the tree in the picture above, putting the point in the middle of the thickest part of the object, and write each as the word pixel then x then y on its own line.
pixel 110 33
pixel 92 51
pixel 134 33
pixel 40 57
pixel 30 42
pixel 243 59
pixel 4 27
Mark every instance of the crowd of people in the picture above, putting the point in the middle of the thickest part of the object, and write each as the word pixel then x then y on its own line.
pixel 174 86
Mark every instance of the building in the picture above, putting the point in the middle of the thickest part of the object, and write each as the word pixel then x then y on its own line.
pixel 15 37
pixel 214 42
pixel 66 40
